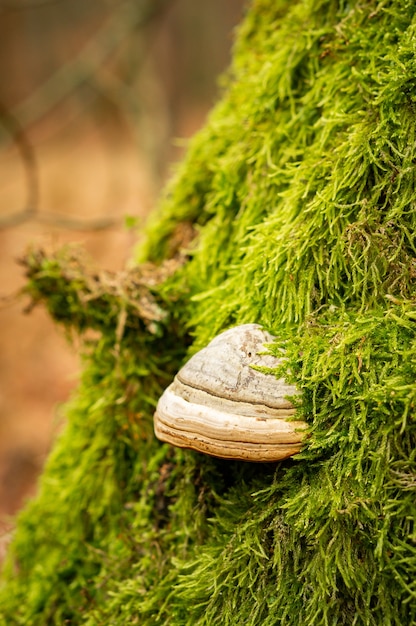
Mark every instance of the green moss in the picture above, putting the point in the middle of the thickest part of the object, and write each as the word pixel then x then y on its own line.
pixel 300 192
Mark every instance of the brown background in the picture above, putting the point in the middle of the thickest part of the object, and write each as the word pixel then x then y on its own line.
pixel 92 101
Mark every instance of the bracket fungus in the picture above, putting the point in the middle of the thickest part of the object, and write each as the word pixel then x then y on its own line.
pixel 220 404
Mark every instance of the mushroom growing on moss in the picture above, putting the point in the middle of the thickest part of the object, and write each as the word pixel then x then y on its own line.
pixel 221 403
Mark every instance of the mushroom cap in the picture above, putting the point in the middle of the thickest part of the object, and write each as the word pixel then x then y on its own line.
pixel 219 404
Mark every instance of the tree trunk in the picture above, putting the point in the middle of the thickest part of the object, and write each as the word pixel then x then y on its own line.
pixel 294 209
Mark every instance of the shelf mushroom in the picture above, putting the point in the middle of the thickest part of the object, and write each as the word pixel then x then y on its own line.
pixel 220 404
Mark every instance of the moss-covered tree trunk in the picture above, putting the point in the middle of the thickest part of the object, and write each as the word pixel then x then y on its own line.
pixel 296 209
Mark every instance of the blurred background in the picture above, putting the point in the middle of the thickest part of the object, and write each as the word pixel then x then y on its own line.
pixel 97 100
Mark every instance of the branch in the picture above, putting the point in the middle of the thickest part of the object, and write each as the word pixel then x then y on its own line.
pixel 86 63
pixel 31 211
pixel 82 297
pixel 58 220
pixel 14 128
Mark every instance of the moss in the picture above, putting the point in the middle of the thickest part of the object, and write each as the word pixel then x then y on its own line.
pixel 294 208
